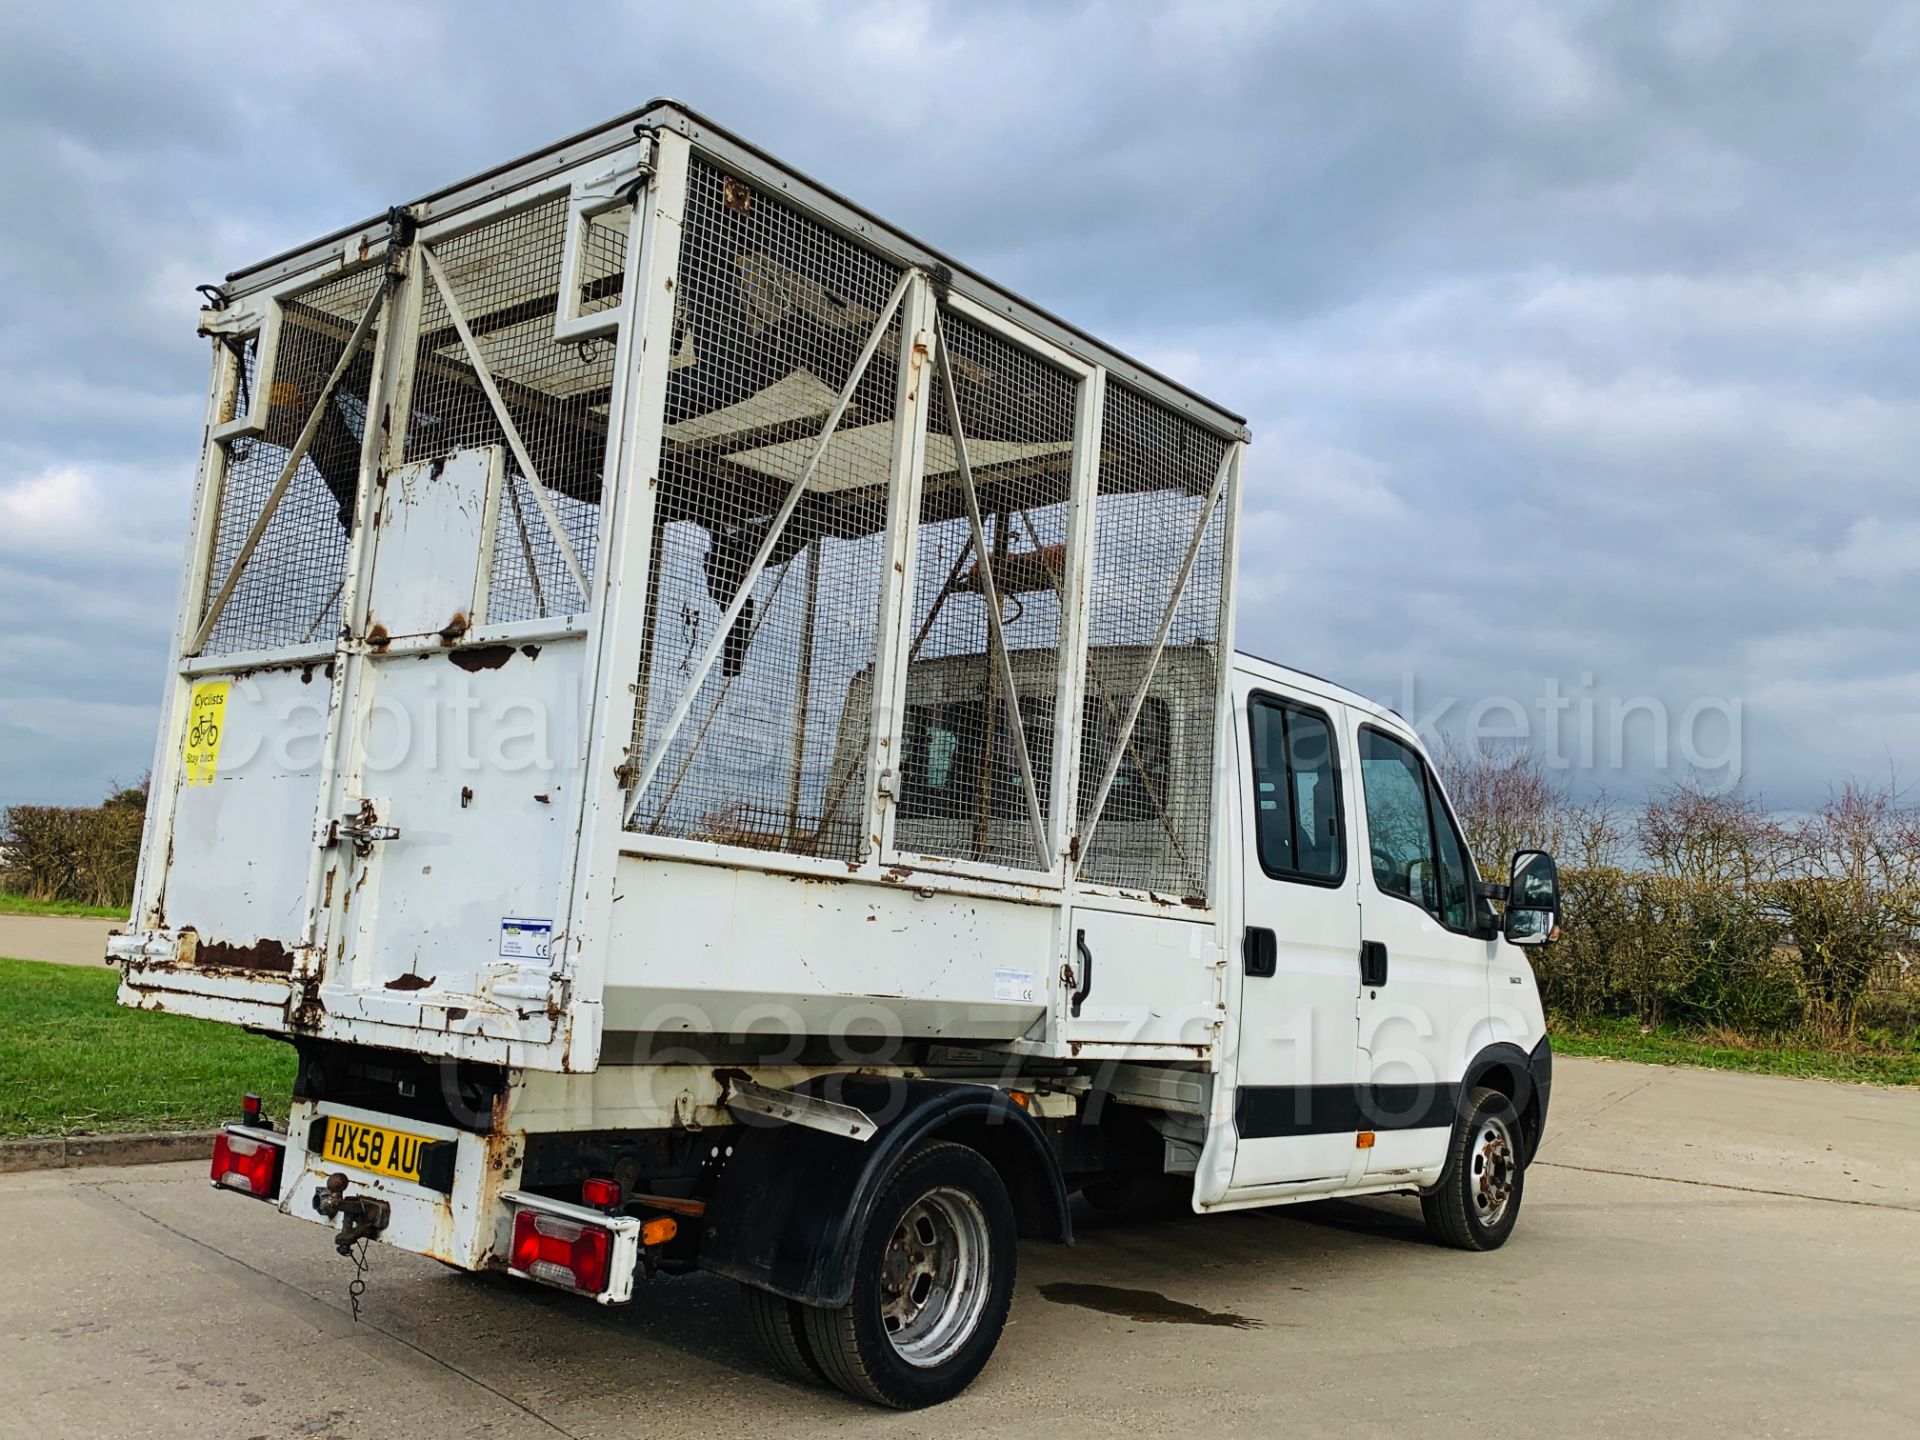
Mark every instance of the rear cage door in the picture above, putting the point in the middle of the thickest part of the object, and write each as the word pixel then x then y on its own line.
pixel 391 623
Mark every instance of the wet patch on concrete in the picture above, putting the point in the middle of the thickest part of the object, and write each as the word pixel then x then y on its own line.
pixel 1147 1306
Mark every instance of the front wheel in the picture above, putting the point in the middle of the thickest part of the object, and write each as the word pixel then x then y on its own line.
pixel 933 1281
pixel 1477 1201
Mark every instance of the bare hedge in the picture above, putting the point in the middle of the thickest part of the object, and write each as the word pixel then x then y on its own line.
pixel 86 855
pixel 1708 911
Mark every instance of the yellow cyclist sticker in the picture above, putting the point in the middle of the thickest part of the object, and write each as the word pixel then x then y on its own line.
pixel 206 723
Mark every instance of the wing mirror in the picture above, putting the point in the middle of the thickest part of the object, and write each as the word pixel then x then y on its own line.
pixel 1533 899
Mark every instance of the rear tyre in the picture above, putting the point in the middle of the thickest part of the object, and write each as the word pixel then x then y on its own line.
pixel 779 1326
pixel 933 1280
pixel 1477 1201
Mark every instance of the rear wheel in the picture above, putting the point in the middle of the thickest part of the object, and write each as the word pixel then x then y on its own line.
pixel 780 1327
pixel 1477 1202
pixel 933 1281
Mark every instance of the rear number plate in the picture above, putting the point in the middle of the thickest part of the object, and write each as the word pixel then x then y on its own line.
pixel 373 1147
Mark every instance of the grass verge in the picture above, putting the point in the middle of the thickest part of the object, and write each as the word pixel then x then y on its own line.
pixel 1616 1039
pixel 72 1062
pixel 16 904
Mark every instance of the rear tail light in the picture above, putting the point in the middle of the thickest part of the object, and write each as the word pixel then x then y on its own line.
pixel 600 1194
pixel 563 1252
pixel 248 1164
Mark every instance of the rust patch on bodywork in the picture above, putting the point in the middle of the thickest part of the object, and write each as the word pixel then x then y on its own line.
pixel 378 638
pixel 260 955
pixel 482 657
pixel 410 982
pixel 455 628
pixel 531 651
pixel 306 1011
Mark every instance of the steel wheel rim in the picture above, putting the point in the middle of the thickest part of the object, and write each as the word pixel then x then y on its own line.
pixel 934 1276
pixel 1494 1171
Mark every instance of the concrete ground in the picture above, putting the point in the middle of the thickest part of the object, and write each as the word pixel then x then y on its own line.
pixel 62 939
pixel 1700 1253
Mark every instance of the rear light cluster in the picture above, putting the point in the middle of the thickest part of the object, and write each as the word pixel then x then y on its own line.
pixel 568 1253
pixel 248 1164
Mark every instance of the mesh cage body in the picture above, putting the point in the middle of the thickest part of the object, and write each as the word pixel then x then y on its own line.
pixel 1157 470
pixel 289 593
pixel 962 795
pixel 772 312
pixel 505 275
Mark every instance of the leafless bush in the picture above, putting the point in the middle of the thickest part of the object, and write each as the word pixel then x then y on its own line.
pixel 84 855
pixel 1709 910
pixel 1719 840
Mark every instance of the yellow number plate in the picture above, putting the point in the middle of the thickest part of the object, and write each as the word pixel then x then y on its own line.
pixel 373 1147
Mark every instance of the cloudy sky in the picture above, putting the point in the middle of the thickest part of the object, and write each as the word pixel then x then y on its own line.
pixel 1578 341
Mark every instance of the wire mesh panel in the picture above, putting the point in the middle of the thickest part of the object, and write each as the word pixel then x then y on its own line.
pixel 773 312
pixel 962 794
pixel 1156 472
pixel 603 260
pixel 288 594
pixel 505 278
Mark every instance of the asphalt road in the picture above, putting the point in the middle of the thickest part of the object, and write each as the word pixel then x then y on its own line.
pixel 1700 1254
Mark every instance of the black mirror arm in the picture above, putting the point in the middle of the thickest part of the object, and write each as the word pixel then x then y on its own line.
pixel 1489 890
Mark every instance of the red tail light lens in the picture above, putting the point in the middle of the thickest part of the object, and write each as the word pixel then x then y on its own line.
pixel 250 1166
pixel 562 1252
pixel 601 1194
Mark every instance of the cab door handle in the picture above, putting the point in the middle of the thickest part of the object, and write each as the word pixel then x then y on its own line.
pixel 1373 962
pixel 1260 949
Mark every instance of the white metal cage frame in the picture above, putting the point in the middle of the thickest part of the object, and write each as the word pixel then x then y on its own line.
pixel 949 460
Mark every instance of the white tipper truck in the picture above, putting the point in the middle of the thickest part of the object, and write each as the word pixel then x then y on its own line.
pixel 711 729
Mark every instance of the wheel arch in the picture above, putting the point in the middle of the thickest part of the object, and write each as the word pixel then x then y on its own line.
pixel 786 1214
pixel 1524 1079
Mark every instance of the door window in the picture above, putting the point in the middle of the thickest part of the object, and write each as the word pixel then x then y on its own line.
pixel 1296 793
pixel 1456 873
pixel 1399 829
pixel 1418 854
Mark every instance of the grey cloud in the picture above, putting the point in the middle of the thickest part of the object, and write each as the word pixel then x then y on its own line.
pixel 1577 340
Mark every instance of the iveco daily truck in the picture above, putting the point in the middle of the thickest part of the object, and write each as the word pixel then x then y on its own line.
pixel 712 730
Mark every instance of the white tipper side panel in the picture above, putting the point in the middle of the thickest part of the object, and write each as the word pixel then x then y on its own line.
pixel 712 949
pixel 1154 979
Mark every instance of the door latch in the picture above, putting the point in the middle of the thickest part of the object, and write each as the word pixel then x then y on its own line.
pixel 362 827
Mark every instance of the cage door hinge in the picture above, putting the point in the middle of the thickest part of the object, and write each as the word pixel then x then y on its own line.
pixel 623 181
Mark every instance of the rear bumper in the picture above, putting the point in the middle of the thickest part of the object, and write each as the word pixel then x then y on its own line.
pixel 462 1226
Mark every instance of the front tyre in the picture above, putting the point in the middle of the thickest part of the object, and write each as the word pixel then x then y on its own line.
pixel 933 1280
pixel 1477 1201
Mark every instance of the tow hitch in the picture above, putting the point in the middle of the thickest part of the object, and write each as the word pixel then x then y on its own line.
pixel 362 1218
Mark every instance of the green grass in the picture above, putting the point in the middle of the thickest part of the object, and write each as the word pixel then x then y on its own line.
pixel 73 1062
pixel 13 904
pixel 1617 1039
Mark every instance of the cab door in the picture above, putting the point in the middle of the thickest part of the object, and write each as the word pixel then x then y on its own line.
pixel 1297 1058
pixel 1423 961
